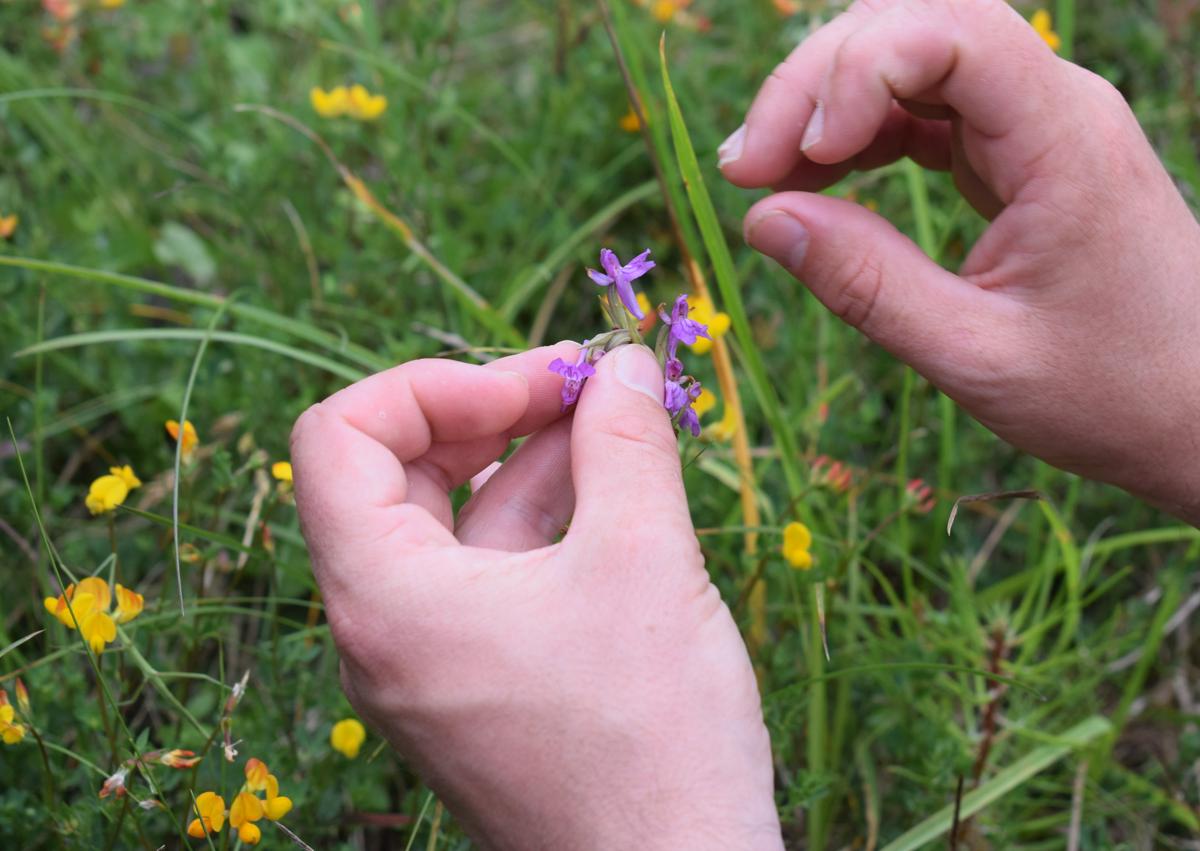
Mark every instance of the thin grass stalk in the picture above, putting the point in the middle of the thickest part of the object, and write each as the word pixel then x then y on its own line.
pixel 302 330
pixel 657 147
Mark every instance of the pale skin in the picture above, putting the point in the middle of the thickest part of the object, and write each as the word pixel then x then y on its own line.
pixel 592 691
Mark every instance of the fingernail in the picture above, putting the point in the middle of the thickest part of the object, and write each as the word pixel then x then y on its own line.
pixel 731 149
pixel 780 236
pixel 638 370
pixel 816 126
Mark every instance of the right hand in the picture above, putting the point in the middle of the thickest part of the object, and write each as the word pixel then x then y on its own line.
pixel 1070 330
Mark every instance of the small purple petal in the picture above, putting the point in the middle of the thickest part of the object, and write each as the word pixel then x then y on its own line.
pixel 690 421
pixel 639 265
pixel 574 375
pixel 600 278
pixel 611 263
pixel 675 398
pixel 628 298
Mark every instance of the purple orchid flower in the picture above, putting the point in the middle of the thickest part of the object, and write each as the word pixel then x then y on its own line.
pixel 575 374
pixel 682 329
pixel 622 277
pixel 678 401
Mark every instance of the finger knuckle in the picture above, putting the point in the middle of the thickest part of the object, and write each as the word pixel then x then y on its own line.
pixel 857 297
pixel 641 436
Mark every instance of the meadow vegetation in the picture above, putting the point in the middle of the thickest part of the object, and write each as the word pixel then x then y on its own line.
pixel 217 213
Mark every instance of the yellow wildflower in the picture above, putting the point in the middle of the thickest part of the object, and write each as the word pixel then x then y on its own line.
pixel 354 101
pixel 727 427
pixel 190 438
pixel 107 492
pixel 365 106
pixel 347 737
pixel 8 225
pixel 702 310
pixel 112 4
pixel 282 470
pixel 705 402
pixel 796 542
pixel 629 122
pixel 1044 24
pixel 210 807
pixel 86 606
pixel 329 104
pixel 246 809
pixel 10 731
pixel 664 10
pixel 23 698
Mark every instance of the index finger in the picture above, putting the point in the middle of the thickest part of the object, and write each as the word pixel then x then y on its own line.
pixel 350 451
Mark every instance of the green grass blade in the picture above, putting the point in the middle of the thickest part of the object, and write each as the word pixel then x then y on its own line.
pixel 1012 777
pixel 137 335
pixel 726 278
pixel 302 330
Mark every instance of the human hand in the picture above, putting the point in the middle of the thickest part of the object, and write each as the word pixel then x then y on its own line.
pixel 592 693
pixel 1070 329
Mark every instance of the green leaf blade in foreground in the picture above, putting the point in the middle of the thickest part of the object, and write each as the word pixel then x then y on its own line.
pixel 1033 763
pixel 723 272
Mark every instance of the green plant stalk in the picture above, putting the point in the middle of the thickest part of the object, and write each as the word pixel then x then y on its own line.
pixel 726 278
pixel 136 335
pixel 93 660
pixel 725 275
pixel 1172 594
pixel 659 132
pixel 1064 24
pixel 302 330
pixel 178 453
pixel 1005 781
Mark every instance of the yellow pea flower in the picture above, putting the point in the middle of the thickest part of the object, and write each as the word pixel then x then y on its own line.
pixel 10 731
pixel 282 470
pixel 347 737
pixel 329 104
pixel 107 492
pixel 88 610
pixel 702 310
pixel 1044 24
pixel 365 106
pixel 210 808
pixel 797 539
pixel 8 225
pixel 256 774
pixel 705 402
pixel 276 806
pixel 664 10
pixel 629 121
pixel 190 438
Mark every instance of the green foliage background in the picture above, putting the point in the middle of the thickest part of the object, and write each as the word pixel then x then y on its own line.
pixel 132 152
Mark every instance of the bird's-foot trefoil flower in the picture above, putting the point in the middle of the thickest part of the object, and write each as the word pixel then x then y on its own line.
pixel 246 808
pixel 347 737
pixel 86 607
pixel 797 541
pixel 715 322
pixel 11 732
pixel 107 492
pixel 190 438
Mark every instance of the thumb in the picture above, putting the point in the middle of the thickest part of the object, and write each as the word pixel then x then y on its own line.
pixel 873 277
pixel 624 454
